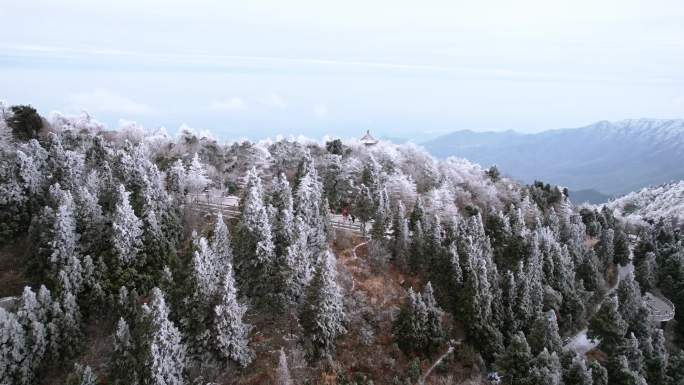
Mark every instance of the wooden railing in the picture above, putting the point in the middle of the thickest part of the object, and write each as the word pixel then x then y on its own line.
pixel 228 206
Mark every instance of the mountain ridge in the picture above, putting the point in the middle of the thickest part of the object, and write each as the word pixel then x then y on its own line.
pixel 613 158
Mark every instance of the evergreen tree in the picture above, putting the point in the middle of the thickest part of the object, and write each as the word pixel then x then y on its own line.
pixel 599 374
pixel 221 247
pixel 255 247
pixel 632 307
pixel 13 350
pixel 82 375
pixel 324 317
pixel 65 239
pixel 418 328
pixel 656 362
pixel 124 364
pixel 281 199
pixel 400 232
pixel 608 326
pixel 515 363
pixel 231 334
pixel 176 180
pixel 546 369
pixel 578 373
pixel 90 222
pixel 166 360
pixel 196 178
pixel 126 230
pixel 619 372
pixel 621 254
pixel 606 248
pixel 283 372
pixel 544 333
pixel 645 271
pixel 675 369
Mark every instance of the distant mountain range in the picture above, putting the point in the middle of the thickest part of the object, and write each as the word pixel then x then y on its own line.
pixel 597 161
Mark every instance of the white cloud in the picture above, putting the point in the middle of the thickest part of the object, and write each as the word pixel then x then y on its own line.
pixel 102 100
pixel 321 110
pixel 275 100
pixel 232 104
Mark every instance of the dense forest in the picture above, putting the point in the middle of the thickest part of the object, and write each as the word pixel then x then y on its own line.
pixel 456 275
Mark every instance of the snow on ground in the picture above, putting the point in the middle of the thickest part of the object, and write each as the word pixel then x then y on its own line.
pixel 581 343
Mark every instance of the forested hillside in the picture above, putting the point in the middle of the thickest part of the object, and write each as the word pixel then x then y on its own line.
pixel 652 203
pixel 121 277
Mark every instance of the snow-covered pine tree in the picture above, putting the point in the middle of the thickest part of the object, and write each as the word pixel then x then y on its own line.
pixel 515 364
pixel 400 232
pixel 546 369
pixel 90 222
pixel 283 372
pixel 197 179
pixel 204 270
pixel 82 375
pixel 123 369
pixel 544 333
pixel 308 206
pixel 324 316
pixel 220 245
pixel 13 350
pixel 608 326
pixel 176 181
pixel 126 230
pixel 578 373
pixel 434 331
pixel 65 239
pixel 281 200
pixel 230 332
pixel 166 360
pixel 255 251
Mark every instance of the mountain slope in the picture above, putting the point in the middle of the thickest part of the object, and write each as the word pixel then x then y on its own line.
pixel 610 157
pixel 652 203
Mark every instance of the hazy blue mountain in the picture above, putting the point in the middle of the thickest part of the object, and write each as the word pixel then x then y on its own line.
pixel 588 196
pixel 612 158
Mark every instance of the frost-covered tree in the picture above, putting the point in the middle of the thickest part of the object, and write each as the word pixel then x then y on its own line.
pixel 281 200
pixel 124 365
pixel 515 364
pixel 599 374
pixel 324 317
pixel 176 180
pixel 608 326
pixel 544 333
pixel 578 373
pixel 418 327
pixel 546 369
pixel 220 245
pixel 65 239
pixel 400 232
pixel 13 350
pixel 90 222
pixel 294 268
pixel 283 371
pixel 82 375
pixel 255 251
pixel 230 332
pixel 167 354
pixel 197 179
pixel 126 230
pixel 308 204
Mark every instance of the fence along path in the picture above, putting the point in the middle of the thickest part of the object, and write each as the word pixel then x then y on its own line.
pixel 228 206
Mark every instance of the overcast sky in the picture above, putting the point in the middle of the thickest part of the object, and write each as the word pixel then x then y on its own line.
pixel 405 69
